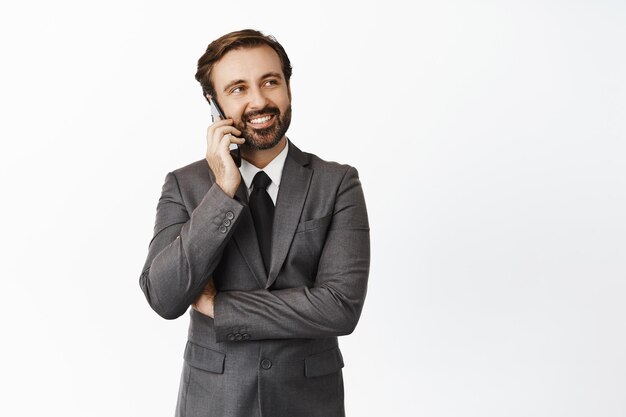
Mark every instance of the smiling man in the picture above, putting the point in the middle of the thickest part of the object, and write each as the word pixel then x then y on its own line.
pixel 272 256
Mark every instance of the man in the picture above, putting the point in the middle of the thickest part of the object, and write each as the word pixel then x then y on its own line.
pixel 274 264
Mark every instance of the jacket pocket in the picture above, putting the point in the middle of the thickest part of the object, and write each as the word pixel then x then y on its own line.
pixel 323 363
pixel 204 358
pixel 314 223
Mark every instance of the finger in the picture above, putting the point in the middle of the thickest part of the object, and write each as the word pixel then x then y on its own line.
pixel 216 133
pixel 233 139
pixel 226 141
pixel 211 129
pixel 222 122
pixel 223 130
pixel 238 141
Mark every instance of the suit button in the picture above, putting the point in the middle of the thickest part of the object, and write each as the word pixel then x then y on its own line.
pixel 226 222
pixel 231 337
pixel 238 336
pixel 222 229
pixel 230 215
pixel 266 364
pixel 245 336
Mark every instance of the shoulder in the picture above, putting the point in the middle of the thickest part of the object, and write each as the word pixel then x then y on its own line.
pixel 321 167
pixel 192 181
pixel 193 171
pixel 200 167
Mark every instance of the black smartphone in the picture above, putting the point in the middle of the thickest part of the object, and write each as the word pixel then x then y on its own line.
pixel 215 112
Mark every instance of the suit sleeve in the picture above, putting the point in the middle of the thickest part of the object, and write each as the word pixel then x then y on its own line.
pixel 331 307
pixel 185 250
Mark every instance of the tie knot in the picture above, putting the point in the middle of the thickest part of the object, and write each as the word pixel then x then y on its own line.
pixel 261 181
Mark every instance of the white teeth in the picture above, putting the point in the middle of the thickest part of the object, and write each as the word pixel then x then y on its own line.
pixel 261 119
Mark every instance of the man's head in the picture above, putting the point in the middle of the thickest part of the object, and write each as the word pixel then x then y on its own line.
pixel 248 74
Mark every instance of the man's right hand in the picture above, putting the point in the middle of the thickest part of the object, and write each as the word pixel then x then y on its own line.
pixel 218 138
pixel 205 303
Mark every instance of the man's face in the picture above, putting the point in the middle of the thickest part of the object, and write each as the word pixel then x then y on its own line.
pixel 252 90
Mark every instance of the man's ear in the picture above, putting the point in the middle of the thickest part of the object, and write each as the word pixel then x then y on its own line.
pixel 289 90
pixel 208 97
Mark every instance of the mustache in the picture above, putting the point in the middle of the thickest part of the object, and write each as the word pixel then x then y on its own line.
pixel 263 111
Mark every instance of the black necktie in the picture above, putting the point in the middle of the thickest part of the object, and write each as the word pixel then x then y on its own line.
pixel 262 209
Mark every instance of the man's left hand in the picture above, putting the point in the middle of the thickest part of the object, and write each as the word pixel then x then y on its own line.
pixel 204 303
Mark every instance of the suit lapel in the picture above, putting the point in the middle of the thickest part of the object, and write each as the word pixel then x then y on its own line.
pixel 246 240
pixel 294 186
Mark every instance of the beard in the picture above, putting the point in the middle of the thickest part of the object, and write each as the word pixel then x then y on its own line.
pixel 266 138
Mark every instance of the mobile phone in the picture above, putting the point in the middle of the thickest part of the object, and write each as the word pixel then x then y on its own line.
pixel 215 112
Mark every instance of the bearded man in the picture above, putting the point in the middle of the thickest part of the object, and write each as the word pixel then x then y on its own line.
pixel 272 255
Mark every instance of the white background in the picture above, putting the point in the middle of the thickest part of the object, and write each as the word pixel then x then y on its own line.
pixel 490 140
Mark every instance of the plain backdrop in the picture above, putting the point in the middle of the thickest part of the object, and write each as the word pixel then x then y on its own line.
pixel 490 141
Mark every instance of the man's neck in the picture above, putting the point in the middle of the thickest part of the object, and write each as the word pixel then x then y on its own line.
pixel 260 158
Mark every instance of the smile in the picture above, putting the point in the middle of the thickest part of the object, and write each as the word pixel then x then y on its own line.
pixel 261 122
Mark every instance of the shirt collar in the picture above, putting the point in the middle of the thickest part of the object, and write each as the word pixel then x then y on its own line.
pixel 274 169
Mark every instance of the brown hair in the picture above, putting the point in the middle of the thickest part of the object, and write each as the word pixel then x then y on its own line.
pixel 246 38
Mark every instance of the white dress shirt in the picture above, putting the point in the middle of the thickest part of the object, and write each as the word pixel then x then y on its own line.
pixel 274 170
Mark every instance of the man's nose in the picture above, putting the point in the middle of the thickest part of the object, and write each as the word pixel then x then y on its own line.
pixel 257 99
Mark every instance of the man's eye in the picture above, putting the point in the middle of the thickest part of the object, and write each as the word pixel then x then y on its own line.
pixel 236 90
pixel 271 82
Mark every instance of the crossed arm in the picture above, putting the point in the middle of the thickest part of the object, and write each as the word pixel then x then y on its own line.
pixel 185 252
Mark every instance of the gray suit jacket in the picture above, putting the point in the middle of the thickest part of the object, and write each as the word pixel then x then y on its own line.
pixel 272 348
